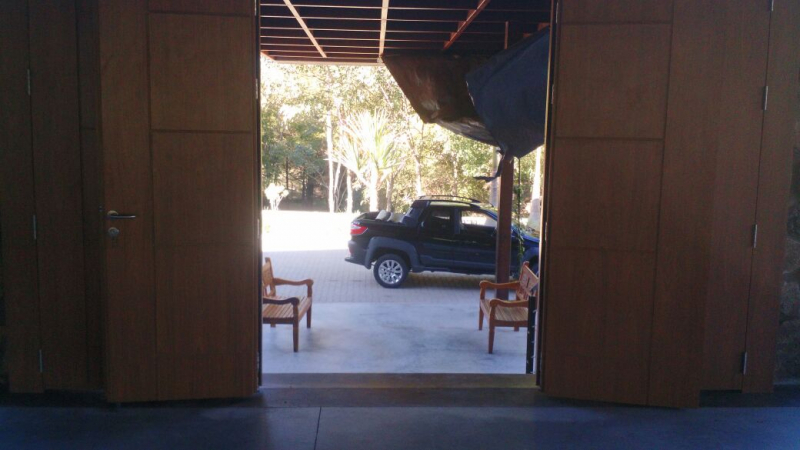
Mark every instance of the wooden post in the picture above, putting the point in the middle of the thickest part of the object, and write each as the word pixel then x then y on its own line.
pixel 503 253
pixel 504 204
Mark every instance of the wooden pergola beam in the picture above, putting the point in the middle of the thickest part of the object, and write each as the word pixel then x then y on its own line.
pixel 473 13
pixel 384 19
pixel 305 27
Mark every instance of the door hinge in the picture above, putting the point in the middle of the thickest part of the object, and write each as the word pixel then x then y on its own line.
pixel 766 98
pixel 29 82
pixel 755 235
pixel 744 363
pixel 35 228
pixel 771 5
pixel 41 362
pixel 553 94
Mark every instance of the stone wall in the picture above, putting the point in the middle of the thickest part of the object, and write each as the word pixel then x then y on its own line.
pixel 788 360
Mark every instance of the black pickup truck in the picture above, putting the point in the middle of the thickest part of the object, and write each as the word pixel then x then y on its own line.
pixel 437 234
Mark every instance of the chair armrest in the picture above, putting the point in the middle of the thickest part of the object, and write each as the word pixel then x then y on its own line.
pixel 286 301
pixel 507 303
pixel 485 284
pixel 308 283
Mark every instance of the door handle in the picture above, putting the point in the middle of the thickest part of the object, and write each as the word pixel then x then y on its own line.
pixel 113 215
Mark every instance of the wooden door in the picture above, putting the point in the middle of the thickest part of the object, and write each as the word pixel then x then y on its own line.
pixel 741 110
pixel 653 175
pixel 178 112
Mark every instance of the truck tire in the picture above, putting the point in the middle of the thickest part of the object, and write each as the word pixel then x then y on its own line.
pixel 390 270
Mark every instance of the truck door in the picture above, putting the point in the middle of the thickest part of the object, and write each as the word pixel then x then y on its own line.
pixel 437 237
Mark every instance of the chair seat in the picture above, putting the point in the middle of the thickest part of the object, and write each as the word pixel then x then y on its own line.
pixel 517 316
pixel 284 313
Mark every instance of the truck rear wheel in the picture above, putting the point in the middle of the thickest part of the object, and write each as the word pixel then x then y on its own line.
pixel 390 270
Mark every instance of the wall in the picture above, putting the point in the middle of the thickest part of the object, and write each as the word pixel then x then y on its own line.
pixel 788 359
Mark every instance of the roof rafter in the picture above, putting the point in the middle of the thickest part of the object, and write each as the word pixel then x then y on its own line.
pixel 473 13
pixel 384 17
pixel 305 27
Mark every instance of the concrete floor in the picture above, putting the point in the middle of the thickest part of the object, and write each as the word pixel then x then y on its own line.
pixel 393 338
pixel 429 325
pixel 300 419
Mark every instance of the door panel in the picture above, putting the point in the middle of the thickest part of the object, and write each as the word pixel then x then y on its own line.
pixel 197 159
pixel 612 81
pixel 58 179
pixel 617 11
pixel 437 238
pixel 603 295
pixel 745 68
pixel 477 239
pixel 19 268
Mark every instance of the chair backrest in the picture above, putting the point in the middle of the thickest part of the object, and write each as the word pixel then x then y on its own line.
pixel 267 279
pixel 528 281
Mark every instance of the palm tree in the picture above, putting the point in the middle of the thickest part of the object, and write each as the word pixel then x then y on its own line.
pixel 367 148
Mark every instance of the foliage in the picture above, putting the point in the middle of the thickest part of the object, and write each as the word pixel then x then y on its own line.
pixel 410 158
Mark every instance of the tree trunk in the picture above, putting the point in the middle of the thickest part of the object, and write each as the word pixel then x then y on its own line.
pixel 331 179
pixel 337 198
pixel 349 192
pixel 493 183
pixel 389 187
pixel 372 189
pixel 287 173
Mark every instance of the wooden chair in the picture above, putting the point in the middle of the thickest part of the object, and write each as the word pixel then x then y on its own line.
pixel 276 309
pixel 508 313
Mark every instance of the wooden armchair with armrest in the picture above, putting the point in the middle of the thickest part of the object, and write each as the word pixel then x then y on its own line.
pixel 508 313
pixel 276 309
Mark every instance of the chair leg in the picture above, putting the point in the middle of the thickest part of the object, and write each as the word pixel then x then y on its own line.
pixel 491 337
pixel 295 333
pixel 480 318
pixel 272 325
pixel 516 328
pixel 308 318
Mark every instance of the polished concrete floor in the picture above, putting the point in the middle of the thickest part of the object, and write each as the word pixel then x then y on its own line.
pixel 393 338
pixel 353 419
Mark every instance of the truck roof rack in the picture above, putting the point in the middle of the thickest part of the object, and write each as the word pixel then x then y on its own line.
pixel 440 197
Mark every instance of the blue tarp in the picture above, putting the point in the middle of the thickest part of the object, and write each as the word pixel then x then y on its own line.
pixel 509 93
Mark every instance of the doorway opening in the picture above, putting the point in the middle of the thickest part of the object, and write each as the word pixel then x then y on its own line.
pixel 346 155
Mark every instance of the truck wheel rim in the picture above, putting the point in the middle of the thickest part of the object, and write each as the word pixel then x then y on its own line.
pixel 390 271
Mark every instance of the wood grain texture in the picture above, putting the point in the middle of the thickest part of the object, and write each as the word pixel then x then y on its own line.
pixel 20 279
pixel 55 107
pixel 773 192
pixel 606 194
pixel 204 188
pixel 227 7
pixel 598 323
pixel 612 81
pixel 131 372
pixel 592 11
pixel 686 222
pixel 206 336
pixel 743 77
pixel 201 73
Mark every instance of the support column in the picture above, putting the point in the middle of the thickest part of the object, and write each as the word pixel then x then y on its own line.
pixel 504 207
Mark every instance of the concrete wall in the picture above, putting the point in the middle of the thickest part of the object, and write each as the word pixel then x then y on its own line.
pixel 788 358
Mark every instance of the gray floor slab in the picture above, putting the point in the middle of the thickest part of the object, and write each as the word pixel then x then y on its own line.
pixel 557 428
pixel 393 338
pixel 139 428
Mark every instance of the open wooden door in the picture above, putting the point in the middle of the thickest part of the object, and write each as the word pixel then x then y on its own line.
pixel 180 170
pixel 648 97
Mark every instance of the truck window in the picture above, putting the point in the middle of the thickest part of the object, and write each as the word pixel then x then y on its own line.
pixel 477 222
pixel 439 221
